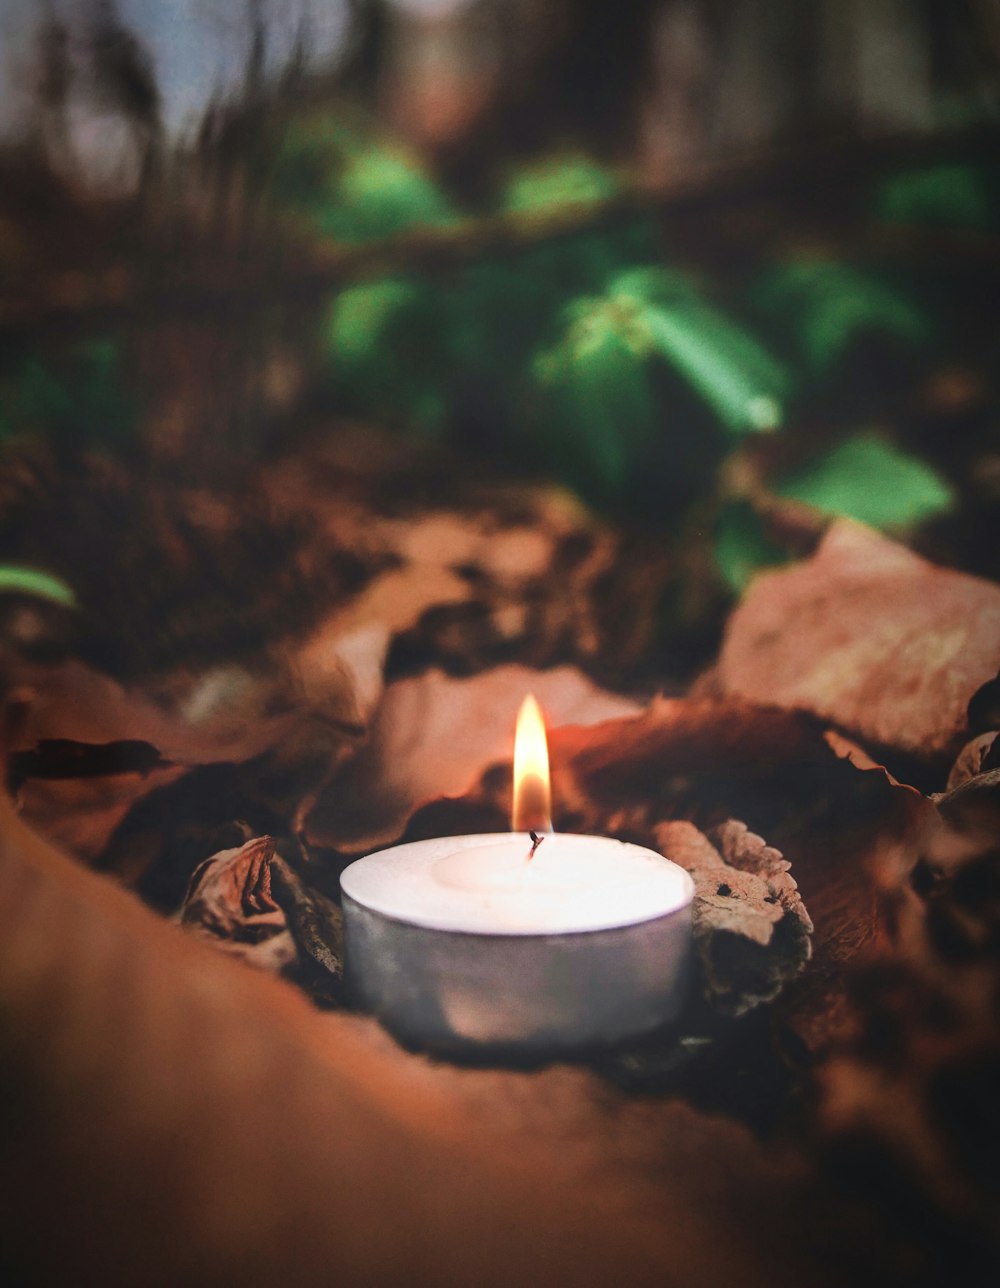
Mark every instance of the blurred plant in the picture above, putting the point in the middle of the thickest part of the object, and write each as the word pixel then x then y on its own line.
pixel 869 479
pixel 75 396
pixel 955 196
pixel 388 353
pixel 599 382
pixel 821 308
pixel 559 185
pixel 353 186
pixel 541 308
pixel 16 579
pixel 865 477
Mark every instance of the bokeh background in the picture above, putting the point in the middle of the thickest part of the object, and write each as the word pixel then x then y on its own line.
pixel 722 269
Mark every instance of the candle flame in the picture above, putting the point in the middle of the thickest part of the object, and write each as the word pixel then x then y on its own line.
pixel 532 793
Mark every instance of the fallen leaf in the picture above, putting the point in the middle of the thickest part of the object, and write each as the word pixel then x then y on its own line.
pixel 912 1079
pixel 192 1119
pixel 229 901
pixel 479 575
pixel 79 793
pixel 869 636
pixel 752 930
pixel 433 736
pixel 250 903
pixel 970 760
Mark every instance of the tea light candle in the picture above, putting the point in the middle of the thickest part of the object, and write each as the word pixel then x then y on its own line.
pixel 526 941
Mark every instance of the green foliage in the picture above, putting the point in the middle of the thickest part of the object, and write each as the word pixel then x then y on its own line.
pixel 356 188
pixel 601 380
pixel 821 308
pixel 381 192
pixel 570 265
pixel 18 580
pixel 869 479
pixel 399 349
pixel 957 196
pixel 558 184
pixel 742 547
pixel 864 478
pixel 387 344
pixel 728 367
pixel 74 397
pixel 596 391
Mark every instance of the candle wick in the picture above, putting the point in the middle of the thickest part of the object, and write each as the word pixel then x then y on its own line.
pixel 536 841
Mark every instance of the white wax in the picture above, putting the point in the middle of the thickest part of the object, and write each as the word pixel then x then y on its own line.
pixel 488 885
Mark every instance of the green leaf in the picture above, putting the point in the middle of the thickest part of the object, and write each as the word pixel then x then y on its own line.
pixel 596 393
pixel 655 285
pixel 956 196
pixel 869 479
pixel 361 316
pixel 384 191
pixel 559 183
pixel 705 350
pixel 823 307
pixel 76 395
pixel 388 350
pixel 732 371
pixel 601 378
pixel 352 185
pixel 18 580
pixel 742 547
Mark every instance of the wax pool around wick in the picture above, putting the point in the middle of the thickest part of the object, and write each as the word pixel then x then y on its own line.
pixel 490 884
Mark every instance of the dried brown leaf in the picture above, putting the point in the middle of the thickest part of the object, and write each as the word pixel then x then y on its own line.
pixel 252 904
pixel 271 1143
pixel 752 929
pixel 82 814
pixel 870 636
pixel 229 901
pixel 969 761
pixel 480 574
pixel 434 736
pixel 913 1076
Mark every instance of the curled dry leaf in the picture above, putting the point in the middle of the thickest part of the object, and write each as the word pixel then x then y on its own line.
pixel 229 901
pixel 752 930
pixel 316 925
pixel 973 758
pixel 81 811
pixel 227 713
pixel 709 761
pixel 433 736
pixel 869 636
pixel 251 903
